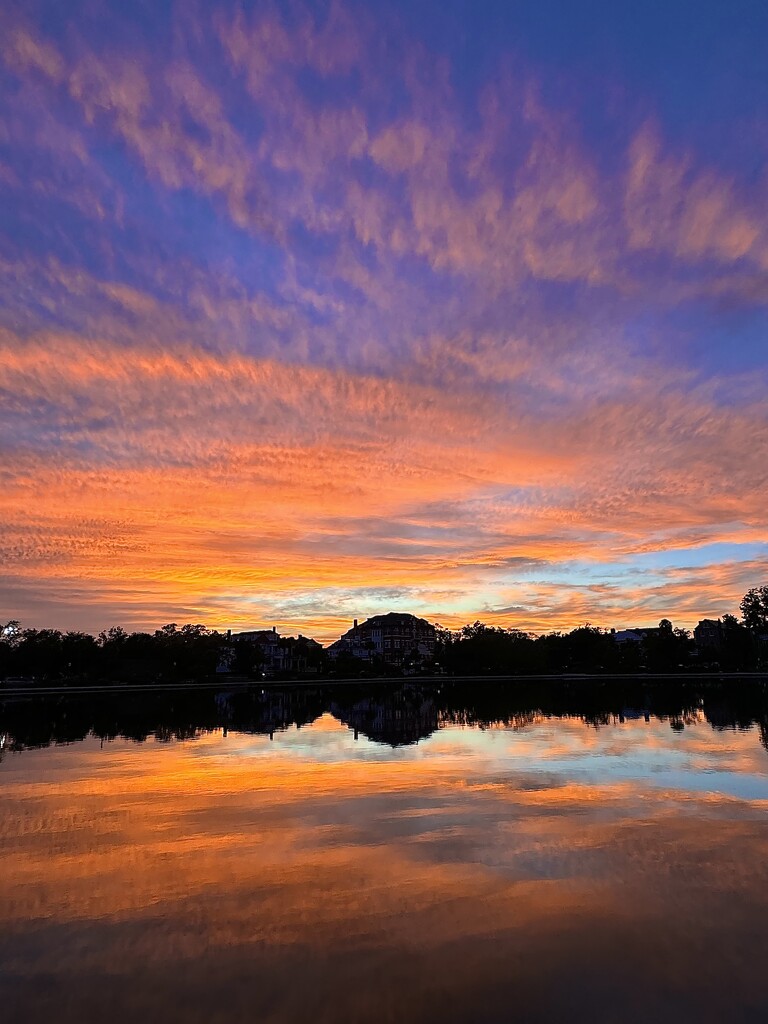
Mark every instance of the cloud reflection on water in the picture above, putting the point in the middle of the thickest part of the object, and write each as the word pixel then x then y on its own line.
pixel 239 879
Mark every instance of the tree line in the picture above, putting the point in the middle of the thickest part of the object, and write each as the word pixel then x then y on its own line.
pixel 490 650
pixel 49 655
pixel 192 651
pixel 732 646
pixel 391 712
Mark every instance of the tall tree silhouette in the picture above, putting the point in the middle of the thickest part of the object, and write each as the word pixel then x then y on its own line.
pixel 754 609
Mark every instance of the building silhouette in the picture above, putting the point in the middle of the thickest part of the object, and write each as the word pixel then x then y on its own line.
pixel 709 633
pixel 279 654
pixel 397 639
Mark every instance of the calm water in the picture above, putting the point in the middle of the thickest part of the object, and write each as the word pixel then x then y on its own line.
pixel 399 855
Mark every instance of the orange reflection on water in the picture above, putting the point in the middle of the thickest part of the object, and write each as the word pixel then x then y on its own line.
pixel 237 880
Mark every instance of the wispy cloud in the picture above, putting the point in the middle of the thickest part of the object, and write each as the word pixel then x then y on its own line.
pixel 287 321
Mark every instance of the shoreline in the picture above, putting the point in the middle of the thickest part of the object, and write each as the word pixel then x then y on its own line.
pixel 226 684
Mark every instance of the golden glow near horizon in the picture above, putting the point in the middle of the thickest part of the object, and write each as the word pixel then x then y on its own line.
pixel 292 335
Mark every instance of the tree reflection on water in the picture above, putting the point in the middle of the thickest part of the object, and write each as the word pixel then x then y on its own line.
pixel 389 713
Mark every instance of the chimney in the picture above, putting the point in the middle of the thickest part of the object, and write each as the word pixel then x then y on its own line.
pixel 355 626
pixel 229 634
pixel 274 629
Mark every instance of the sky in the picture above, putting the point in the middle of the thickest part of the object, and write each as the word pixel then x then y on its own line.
pixel 310 311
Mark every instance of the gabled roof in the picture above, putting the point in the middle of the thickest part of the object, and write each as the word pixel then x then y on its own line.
pixel 392 619
pixel 256 634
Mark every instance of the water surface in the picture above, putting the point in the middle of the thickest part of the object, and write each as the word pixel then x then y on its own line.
pixel 389 854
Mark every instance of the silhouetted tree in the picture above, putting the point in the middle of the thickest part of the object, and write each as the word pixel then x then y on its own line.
pixel 589 649
pixel 10 638
pixel 669 649
pixel 79 654
pixel 40 653
pixel 737 650
pixel 189 652
pixel 488 650
pixel 754 609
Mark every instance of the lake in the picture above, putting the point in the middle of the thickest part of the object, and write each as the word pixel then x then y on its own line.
pixel 389 852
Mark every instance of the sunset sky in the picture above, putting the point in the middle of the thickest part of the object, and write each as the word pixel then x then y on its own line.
pixel 312 311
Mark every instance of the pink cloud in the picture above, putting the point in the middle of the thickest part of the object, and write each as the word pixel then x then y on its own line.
pixel 693 213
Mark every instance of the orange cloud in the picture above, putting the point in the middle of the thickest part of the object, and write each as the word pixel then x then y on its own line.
pixel 394 349
pixel 234 485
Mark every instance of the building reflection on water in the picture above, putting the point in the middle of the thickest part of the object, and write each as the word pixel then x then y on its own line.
pixel 406 715
pixel 390 713
pixel 447 853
